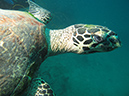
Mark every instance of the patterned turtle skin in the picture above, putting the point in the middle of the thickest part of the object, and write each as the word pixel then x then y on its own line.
pixel 25 43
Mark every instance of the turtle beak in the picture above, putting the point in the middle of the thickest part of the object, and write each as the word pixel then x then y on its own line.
pixel 111 42
pixel 118 44
pixel 115 41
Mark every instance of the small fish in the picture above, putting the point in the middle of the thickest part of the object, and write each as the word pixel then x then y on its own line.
pixel 9 2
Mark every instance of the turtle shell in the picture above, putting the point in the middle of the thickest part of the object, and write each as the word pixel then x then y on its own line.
pixel 23 48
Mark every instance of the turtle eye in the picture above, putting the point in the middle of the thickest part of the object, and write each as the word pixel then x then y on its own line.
pixel 97 38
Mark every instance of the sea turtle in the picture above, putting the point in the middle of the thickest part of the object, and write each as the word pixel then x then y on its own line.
pixel 25 43
pixel 13 4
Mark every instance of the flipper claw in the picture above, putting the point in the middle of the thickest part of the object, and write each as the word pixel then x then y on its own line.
pixel 39 13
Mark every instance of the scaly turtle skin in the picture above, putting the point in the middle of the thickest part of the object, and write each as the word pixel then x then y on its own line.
pixel 25 43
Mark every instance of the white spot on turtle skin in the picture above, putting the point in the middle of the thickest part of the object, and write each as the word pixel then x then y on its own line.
pixel 1 43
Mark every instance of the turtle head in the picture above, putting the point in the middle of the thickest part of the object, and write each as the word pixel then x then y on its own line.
pixel 94 38
pixel 82 39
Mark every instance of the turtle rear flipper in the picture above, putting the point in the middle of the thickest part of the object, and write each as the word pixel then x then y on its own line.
pixel 39 13
pixel 39 87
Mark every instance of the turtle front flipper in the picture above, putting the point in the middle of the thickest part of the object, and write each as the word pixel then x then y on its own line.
pixel 39 87
pixel 39 13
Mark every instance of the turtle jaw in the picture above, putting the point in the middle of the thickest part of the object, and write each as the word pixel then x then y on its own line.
pixel 114 43
pixel 108 44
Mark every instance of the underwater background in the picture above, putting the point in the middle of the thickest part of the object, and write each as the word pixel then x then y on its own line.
pixel 99 74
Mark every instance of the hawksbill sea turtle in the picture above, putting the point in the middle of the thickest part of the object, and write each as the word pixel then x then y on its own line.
pixel 25 43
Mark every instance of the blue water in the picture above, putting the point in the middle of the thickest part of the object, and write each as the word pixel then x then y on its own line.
pixel 99 74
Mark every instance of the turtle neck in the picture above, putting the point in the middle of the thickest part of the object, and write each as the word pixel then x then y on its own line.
pixel 60 41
